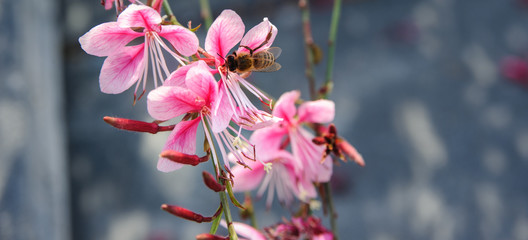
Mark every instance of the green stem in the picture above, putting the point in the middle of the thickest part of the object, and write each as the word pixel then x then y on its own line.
pixel 308 45
pixel 331 208
pixel 329 84
pixel 205 11
pixel 222 194
pixel 251 210
pixel 168 10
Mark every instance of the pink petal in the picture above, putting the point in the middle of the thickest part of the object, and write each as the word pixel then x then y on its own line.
pixel 166 102
pixel 222 112
pixel 225 32
pixel 308 156
pixel 177 78
pixel 319 111
pixel 323 236
pixel 120 71
pixel 139 16
pixel 246 179
pixel 285 106
pixel 267 140
pixel 108 4
pixel 245 230
pixel 106 39
pixel 257 35
pixel 181 139
pixel 184 40
pixel 200 80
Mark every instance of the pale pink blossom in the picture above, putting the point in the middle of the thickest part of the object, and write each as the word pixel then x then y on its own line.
pixel 193 89
pixel 224 34
pixel 308 157
pixel 274 172
pixel 126 64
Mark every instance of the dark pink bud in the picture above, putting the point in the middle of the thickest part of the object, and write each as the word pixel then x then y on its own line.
pixel 136 126
pixel 185 213
pixel 211 182
pixel 515 68
pixel 350 151
pixel 319 140
pixel 207 236
pixel 183 158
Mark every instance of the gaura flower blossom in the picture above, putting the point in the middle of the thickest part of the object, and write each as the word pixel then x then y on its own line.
pixel 275 172
pixel 200 94
pixel 126 65
pixel 225 32
pixel 307 156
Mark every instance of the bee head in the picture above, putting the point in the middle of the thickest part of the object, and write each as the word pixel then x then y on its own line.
pixel 231 63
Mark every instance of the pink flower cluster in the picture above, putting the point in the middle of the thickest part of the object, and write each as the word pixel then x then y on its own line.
pixel 282 156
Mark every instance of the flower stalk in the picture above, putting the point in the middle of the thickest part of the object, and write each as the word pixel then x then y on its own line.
pixel 205 11
pixel 329 84
pixel 308 46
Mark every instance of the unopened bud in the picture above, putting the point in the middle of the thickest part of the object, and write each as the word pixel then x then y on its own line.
pixel 211 182
pixel 207 236
pixel 135 125
pixel 185 213
pixel 350 151
pixel 183 158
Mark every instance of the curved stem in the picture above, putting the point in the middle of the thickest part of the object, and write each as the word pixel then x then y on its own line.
pixel 205 11
pixel 331 208
pixel 329 84
pixel 308 45
pixel 168 10
pixel 222 194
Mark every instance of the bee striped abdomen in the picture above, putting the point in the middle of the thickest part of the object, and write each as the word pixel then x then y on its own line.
pixel 263 59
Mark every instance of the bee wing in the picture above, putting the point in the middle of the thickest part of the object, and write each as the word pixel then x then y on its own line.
pixel 276 51
pixel 274 67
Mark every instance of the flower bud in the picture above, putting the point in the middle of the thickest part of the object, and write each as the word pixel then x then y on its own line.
pixel 183 158
pixel 185 213
pixel 211 182
pixel 135 125
pixel 350 151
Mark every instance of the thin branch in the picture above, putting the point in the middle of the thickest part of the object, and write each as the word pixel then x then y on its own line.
pixel 308 43
pixel 329 84
pixel 205 11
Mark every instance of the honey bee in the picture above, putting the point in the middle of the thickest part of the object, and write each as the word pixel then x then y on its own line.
pixel 254 61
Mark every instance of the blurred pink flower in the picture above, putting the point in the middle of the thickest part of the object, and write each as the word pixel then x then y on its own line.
pixel 127 65
pixel 515 69
pixel 299 228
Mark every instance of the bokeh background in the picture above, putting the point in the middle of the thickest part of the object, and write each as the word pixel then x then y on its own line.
pixel 418 91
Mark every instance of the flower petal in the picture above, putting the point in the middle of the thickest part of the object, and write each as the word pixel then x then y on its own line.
pixel 285 106
pixel 181 139
pixel 308 156
pixel 121 70
pixel 245 230
pixel 166 102
pixel 267 141
pixel 222 112
pixel 319 111
pixel 182 39
pixel 246 179
pixel 257 35
pixel 200 80
pixel 139 16
pixel 106 39
pixel 177 78
pixel 225 32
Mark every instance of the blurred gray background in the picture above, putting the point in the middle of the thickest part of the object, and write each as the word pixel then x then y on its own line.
pixel 418 92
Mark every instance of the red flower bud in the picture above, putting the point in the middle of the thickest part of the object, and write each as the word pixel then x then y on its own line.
pixel 350 151
pixel 319 140
pixel 207 236
pixel 211 182
pixel 183 158
pixel 185 214
pixel 135 125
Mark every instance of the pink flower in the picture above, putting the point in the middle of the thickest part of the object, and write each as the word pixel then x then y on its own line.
pixel 308 157
pixel 276 173
pixel 225 32
pixel 118 4
pixel 299 228
pixel 193 89
pixel 127 65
